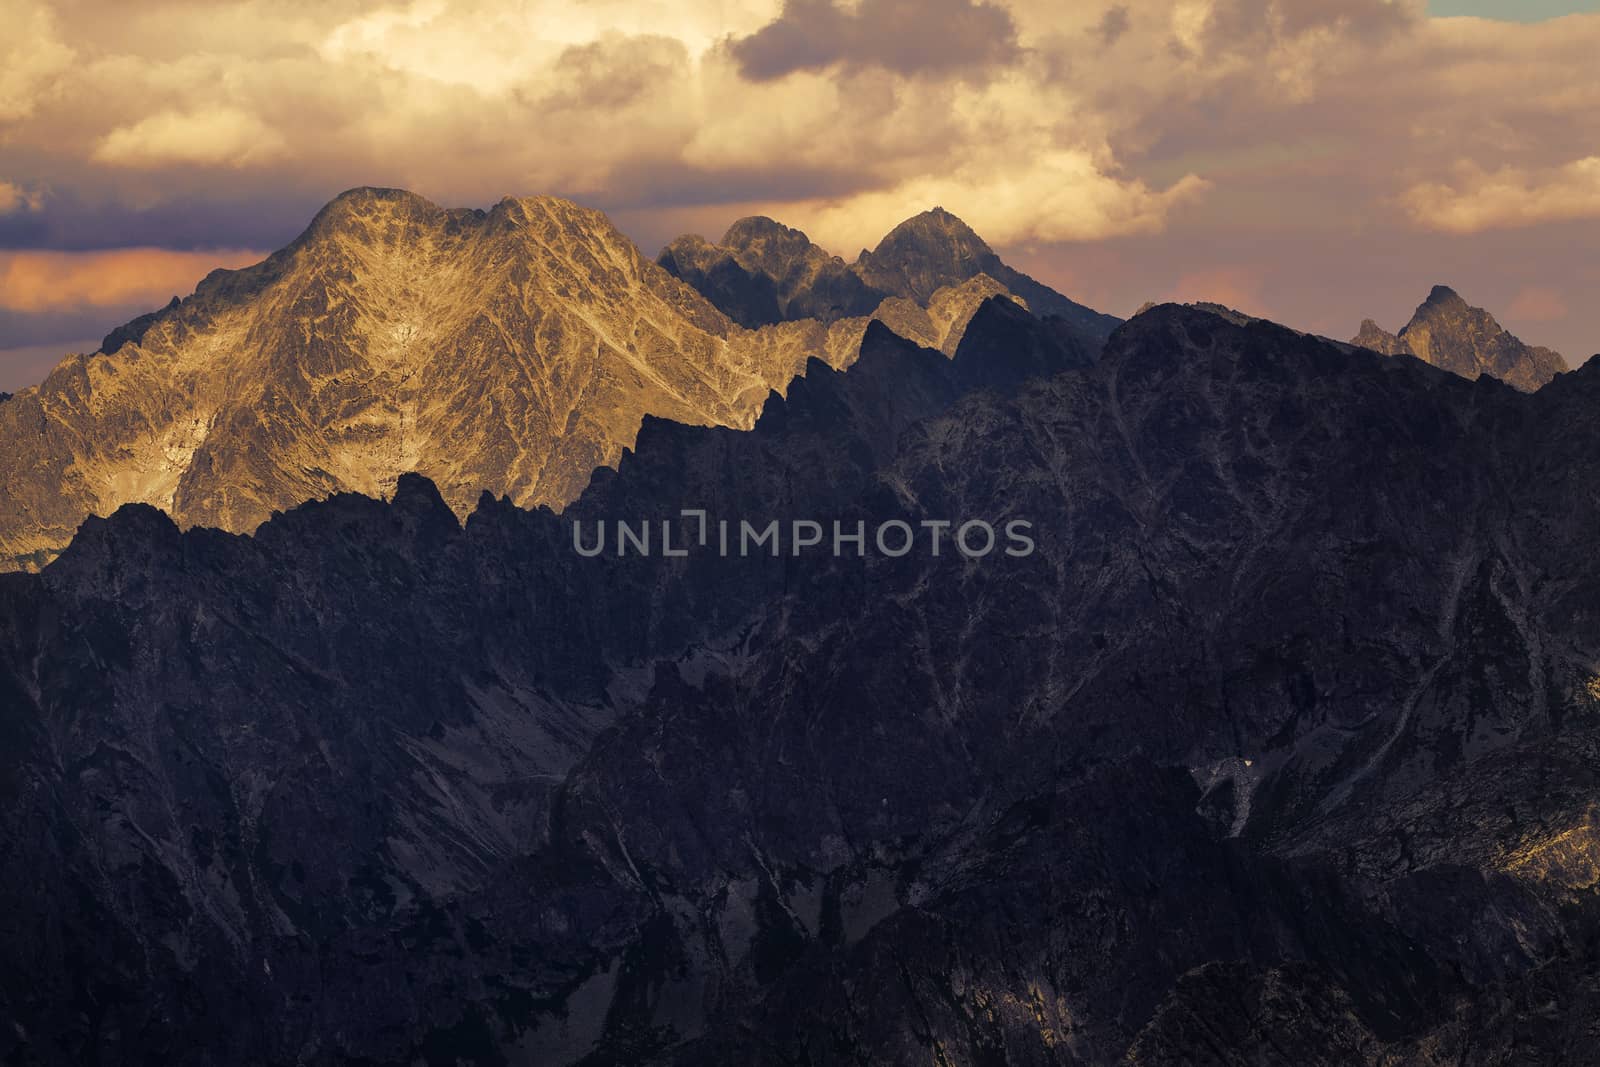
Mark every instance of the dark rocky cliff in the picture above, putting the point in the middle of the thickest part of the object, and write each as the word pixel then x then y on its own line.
pixel 1280 748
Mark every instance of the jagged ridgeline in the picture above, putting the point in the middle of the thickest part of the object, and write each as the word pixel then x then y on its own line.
pixel 1282 743
pixel 512 350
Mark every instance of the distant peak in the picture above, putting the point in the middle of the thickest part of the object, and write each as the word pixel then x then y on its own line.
pixel 1455 336
pixel 688 240
pixel 1443 295
pixel 546 202
pixel 768 244
pixel 938 214
pixel 756 227
pixel 359 206
pixel 365 198
pixel 935 224
pixel 366 194
pixel 925 252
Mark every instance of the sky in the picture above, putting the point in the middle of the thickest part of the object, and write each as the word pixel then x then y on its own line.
pixel 1314 161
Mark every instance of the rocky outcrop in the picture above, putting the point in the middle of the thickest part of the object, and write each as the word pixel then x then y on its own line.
pixel 1280 747
pixel 133 332
pixel 1376 338
pixel 1449 333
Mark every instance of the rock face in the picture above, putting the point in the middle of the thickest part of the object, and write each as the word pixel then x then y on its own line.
pixel 1282 745
pixel 763 272
pixel 1449 333
pixel 513 350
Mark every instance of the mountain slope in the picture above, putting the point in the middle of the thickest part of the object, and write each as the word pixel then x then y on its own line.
pixel 1280 748
pixel 513 350
pixel 1449 333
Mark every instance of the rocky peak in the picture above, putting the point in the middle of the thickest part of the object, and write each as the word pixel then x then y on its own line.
pixel 1453 335
pixel 758 241
pixel 1444 299
pixel 925 252
pixel 134 331
pixel 368 209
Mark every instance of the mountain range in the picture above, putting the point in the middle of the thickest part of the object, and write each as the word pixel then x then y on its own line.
pixel 1280 748
pixel 513 350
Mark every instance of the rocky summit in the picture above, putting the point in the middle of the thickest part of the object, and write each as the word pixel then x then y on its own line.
pixel 1280 748
pixel 1449 333
pixel 512 350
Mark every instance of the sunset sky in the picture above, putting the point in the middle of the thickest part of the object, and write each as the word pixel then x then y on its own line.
pixel 1315 161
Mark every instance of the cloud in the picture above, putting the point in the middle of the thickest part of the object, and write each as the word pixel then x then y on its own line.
pixel 32 57
pixel 932 36
pixel 1114 25
pixel 50 281
pixel 1058 196
pixel 210 137
pixel 1508 197
pixel 25 365
pixel 1537 304
pixel 15 199
pixel 1233 286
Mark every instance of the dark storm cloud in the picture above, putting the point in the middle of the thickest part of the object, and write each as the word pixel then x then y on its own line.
pixel 1114 25
pixel 903 36
pixel 672 183
pixel 46 329
pixel 66 221
pixel 31 343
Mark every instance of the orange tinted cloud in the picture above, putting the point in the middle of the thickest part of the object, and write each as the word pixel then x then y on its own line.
pixel 54 281
pixel 1508 197
pixel 14 197
pixel 213 137
pixel 1236 287
pixel 1537 304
